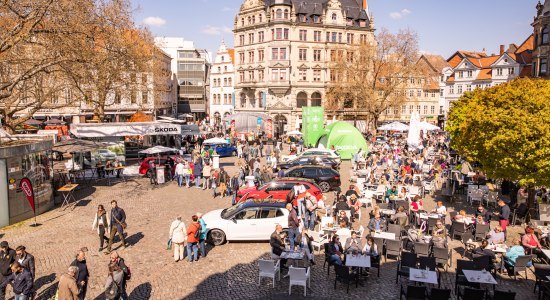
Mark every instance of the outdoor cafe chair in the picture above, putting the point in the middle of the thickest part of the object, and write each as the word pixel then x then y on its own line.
pixel 502 295
pixel 457 229
pixel 541 273
pixel 408 260
pixel 344 276
pixel 471 294
pixel 299 276
pixel 413 292
pixel 468 243
pixel 521 265
pixel 421 249
pixel 432 222
pixel 318 240
pixel 439 294
pixel 442 256
pixel 482 262
pixel 396 229
pixel 481 231
pixel 393 248
pixel 269 269
pixel 460 279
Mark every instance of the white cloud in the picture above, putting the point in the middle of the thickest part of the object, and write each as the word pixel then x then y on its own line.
pixel 154 21
pixel 400 14
pixel 214 30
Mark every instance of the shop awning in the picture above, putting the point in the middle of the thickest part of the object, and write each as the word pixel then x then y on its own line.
pixel 124 129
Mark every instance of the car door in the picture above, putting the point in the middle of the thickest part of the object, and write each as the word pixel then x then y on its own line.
pixel 277 191
pixel 295 173
pixel 311 173
pixel 269 217
pixel 243 225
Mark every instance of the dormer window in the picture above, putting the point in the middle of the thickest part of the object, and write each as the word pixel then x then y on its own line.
pixel 349 22
pixel 302 18
pixel 286 14
pixel 279 14
pixel 334 18
pixel 316 19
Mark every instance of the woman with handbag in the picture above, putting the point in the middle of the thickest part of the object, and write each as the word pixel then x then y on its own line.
pixel 101 222
pixel 114 282
pixel 177 236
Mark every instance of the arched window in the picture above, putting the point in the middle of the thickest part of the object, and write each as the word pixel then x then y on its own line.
pixel 260 18
pixel 545 32
pixel 301 100
pixel 243 100
pixel 249 20
pixel 286 14
pixel 242 21
pixel 279 14
pixel 253 19
pixel 334 17
pixel 252 101
pixel 316 99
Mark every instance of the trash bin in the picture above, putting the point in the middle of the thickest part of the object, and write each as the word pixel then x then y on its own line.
pixel 160 175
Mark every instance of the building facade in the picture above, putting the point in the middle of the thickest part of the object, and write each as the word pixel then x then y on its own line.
pixel 222 79
pixel 541 53
pixel 192 67
pixel 472 70
pixel 282 51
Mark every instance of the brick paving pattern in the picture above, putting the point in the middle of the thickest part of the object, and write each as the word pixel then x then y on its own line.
pixel 228 272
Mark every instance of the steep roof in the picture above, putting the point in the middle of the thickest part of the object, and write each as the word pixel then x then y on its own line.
pixel 437 62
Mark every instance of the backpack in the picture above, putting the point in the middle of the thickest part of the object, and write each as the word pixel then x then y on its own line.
pixel 113 291
pixel 198 232
pixel 128 274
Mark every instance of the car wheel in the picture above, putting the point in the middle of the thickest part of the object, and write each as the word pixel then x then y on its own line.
pixel 324 186
pixel 216 237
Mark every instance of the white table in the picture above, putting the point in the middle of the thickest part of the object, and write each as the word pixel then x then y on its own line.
pixel 546 252
pixel 479 277
pixel 296 255
pixel 424 276
pixel 425 216
pixel 358 261
pixel 387 212
pixel 384 235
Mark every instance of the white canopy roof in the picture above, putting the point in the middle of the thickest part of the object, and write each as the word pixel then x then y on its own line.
pixel 158 149
pixel 394 126
pixel 215 141
pixel 427 126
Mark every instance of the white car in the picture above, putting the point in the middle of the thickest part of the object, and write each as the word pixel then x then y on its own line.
pixel 250 220
pixel 106 154
pixel 321 152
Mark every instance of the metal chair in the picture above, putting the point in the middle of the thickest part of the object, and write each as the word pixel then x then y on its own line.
pixel 396 229
pixel 460 279
pixel 422 249
pixel 467 242
pixel 442 256
pixel 457 228
pixel 481 231
pixel 345 277
pixel 471 294
pixel 483 262
pixel 269 269
pixel 431 224
pixel 502 295
pixel 521 265
pixel 541 273
pixel 413 292
pixel 408 260
pixel 439 294
pixel 393 248
pixel 327 259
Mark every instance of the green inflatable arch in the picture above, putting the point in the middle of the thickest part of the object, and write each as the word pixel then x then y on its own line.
pixel 345 138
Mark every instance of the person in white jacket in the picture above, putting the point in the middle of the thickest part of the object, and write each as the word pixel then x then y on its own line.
pixel 101 223
pixel 180 172
pixel 178 234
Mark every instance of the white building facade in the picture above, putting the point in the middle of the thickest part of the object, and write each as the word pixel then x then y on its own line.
pixel 222 80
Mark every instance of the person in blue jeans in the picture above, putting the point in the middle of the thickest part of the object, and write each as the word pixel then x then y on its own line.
pixel 310 204
pixel 293 225
pixel 202 236
pixel 335 250
pixel 193 235
pixel 197 172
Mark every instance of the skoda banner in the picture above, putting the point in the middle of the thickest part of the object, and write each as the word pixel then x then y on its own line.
pixel 313 119
pixel 124 129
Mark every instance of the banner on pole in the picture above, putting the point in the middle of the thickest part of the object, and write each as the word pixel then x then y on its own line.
pixel 26 187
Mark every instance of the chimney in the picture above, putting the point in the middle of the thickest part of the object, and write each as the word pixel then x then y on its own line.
pixel 365 5
pixel 501 49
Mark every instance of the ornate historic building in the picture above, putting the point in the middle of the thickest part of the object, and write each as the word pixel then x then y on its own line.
pixel 541 53
pixel 282 48
pixel 222 80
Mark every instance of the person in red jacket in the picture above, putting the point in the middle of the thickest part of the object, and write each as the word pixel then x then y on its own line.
pixel 193 233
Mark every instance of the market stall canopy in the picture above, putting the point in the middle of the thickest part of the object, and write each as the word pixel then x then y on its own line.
pixel 158 150
pixel 78 145
pixel 428 127
pixel 295 132
pixel 345 138
pixel 33 122
pixel 54 121
pixel 187 130
pixel 89 130
pixel 215 141
pixel 394 126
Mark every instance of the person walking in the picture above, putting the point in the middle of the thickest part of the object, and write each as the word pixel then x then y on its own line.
pixel 223 180
pixel 197 171
pixel 293 225
pixel 206 172
pixel 101 223
pixel 83 275
pixel 119 261
pixel 177 235
pixel 7 257
pixel 503 215
pixel 193 234
pixel 188 172
pixel 21 281
pixel 202 235
pixel 235 185
pixel 113 285
pixel 26 260
pixel 180 172
pixel 67 289
pixel 117 224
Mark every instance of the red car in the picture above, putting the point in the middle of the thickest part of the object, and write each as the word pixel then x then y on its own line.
pixel 144 166
pixel 278 189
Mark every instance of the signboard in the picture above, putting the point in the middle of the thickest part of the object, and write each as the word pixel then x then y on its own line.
pixel 312 124
pixel 124 129
pixel 26 186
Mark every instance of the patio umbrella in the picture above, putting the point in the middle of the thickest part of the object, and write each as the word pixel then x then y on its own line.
pixel 33 122
pixel 215 141
pixel 158 150
pixel 427 126
pixel 54 121
pixel 394 126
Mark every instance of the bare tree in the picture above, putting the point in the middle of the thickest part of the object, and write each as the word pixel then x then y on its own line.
pixel 373 76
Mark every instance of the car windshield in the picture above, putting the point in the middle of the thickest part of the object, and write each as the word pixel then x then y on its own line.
pixel 230 211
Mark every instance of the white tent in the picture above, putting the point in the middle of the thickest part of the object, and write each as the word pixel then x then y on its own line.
pixel 413 140
pixel 215 141
pixel 394 126
pixel 295 132
pixel 427 126
pixel 158 150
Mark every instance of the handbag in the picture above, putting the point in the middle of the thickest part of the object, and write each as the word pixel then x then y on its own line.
pixel 169 244
pixel 123 224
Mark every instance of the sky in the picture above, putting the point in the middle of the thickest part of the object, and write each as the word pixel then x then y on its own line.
pixel 443 26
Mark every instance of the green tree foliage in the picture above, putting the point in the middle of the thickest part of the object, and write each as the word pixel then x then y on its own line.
pixel 507 129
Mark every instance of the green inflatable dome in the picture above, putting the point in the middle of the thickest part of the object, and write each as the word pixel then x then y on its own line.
pixel 345 138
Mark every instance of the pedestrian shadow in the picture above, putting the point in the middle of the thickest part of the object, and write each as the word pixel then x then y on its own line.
pixel 49 292
pixel 38 283
pixel 142 291
pixel 134 238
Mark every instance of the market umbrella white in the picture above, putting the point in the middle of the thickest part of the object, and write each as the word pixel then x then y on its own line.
pixel 294 132
pixel 158 150
pixel 215 141
pixel 427 126
pixel 394 126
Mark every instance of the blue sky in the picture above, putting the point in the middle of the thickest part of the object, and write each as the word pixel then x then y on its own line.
pixel 443 26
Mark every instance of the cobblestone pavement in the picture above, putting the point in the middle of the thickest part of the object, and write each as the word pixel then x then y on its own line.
pixel 228 272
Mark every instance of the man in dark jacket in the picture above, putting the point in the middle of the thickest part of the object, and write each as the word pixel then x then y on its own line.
pixel 21 281
pixel 118 221
pixel 234 188
pixel 277 244
pixel 82 275
pixel 26 260
pixel 7 257
pixel 293 225
pixel 116 259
